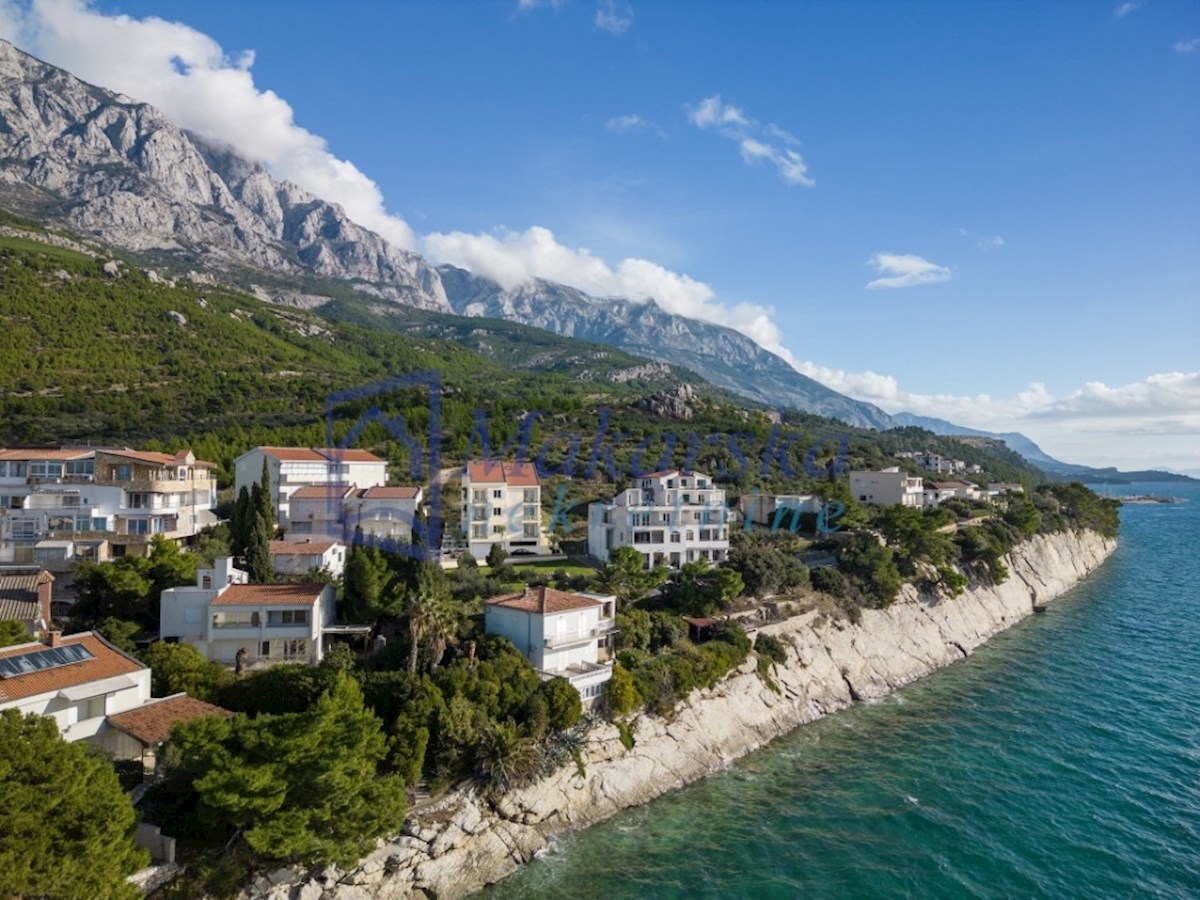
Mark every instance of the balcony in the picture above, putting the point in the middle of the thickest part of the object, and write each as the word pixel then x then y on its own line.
pixel 558 641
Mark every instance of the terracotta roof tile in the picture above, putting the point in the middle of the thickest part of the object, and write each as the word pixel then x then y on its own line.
pixel 301 547
pixel 27 453
pixel 157 459
pixel 493 471
pixel 322 492
pixel 151 723
pixel 389 493
pixel 320 454
pixel 293 454
pixel 270 595
pixel 543 600
pixel 107 662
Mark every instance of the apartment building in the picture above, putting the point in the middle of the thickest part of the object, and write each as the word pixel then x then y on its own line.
pixel 502 504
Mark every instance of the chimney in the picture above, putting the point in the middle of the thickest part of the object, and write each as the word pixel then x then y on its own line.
pixel 54 639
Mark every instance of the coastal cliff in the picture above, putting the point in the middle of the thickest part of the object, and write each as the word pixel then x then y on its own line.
pixel 464 842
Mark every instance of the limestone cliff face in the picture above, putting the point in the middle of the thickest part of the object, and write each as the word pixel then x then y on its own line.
pixel 464 843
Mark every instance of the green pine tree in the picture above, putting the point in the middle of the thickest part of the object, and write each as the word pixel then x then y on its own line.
pixel 66 827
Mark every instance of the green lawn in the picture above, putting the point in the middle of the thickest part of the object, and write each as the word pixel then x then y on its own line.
pixel 551 566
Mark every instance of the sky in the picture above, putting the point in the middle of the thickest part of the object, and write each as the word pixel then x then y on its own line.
pixel 986 212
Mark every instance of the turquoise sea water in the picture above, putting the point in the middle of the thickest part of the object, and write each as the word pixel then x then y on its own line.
pixel 1061 760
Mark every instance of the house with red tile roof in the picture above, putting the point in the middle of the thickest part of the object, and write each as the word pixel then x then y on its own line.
pixel 560 633
pixel 502 504
pixel 292 468
pixel 94 692
pixel 25 597
pixel 301 555
pixel 227 618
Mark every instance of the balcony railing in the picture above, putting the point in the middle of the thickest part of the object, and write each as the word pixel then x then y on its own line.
pixel 578 637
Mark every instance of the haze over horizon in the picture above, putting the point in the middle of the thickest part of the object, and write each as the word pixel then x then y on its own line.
pixel 987 214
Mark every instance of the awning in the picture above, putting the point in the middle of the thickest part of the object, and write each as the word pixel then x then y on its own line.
pixel 96 688
pixel 347 629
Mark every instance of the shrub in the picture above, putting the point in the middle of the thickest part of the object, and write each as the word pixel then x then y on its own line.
pixel 621 695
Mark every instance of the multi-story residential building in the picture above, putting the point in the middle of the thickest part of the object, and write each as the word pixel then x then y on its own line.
pixel 299 556
pixel 502 504
pixel 672 517
pixel 560 633
pixel 887 487
pixel 223 615
pixel 62 506
pixel 291 468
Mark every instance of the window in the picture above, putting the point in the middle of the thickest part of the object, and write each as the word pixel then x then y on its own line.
pixel 530 531
pixel 497 511
pixel 674 537
pixel 265 650
pixel 287 617
pixel 206 582
pixel 497 494
pixel 123 472
pixel 531 495
pixel 498 529
pixel 44 469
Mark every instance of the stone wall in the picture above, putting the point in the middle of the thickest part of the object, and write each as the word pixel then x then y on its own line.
pixel 464 842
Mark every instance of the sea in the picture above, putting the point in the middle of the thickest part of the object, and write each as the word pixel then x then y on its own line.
pixel 1060 760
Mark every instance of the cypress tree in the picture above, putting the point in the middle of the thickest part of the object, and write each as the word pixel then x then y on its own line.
pixel 239 524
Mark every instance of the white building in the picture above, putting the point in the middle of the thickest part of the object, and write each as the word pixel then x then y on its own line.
pixel 777 511
pixel 223 614
pixel 887 487
pixel 299 556
pixel 61 506
pixel 319 509
pixel 386 513
pixel 671 517
pixel 561 634
pixel 78 680
pixel 95 692
pixel 291 468
pixel 502 504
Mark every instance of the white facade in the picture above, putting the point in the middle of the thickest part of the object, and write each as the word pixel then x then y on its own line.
pixel 561 634
pixel 669 517
pixel 59 507
pixel 777 511
pixel 502 504
pixel 887 487
pixel 223 614
pixel 291 468
pixel 79 696
pixel 386 513
pixel 299 556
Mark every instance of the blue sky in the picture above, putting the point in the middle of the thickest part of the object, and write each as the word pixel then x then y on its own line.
pixel 1021 181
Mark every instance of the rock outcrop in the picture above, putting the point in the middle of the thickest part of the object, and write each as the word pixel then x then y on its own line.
pixel 464 842
pixel 118 169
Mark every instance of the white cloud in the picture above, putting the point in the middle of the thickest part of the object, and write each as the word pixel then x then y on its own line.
pixel 527 5
pixel 187 75
pixel 609 19
pixel 984 241
pixel 1188 46
pixel 633 122
pixel 713 114
pixel 1124 9
pixel 898 270
pixel 513 258
pixel 1149 423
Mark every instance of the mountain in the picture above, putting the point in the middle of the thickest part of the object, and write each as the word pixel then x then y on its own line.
pixel 1034 454
pixel 108 166
pixel 720 355
pixel 116 169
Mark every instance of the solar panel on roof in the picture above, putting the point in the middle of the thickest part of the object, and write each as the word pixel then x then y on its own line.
pixel 40 660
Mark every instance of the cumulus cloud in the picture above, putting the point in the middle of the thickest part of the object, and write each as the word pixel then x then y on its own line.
pixel 611 19
pixel 187 75
pixel 1147 423
pixel 898 270
pixel 756 142
pixel 1188 46
pixel 513 258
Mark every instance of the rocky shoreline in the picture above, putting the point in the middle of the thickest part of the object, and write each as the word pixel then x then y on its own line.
pixel 463 842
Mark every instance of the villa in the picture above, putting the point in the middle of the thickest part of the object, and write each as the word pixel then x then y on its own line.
pixel 291 468
pixel 502 504
pixel 887 487
pixel 561 634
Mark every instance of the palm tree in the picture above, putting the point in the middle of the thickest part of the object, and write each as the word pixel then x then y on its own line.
pixel 425 605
